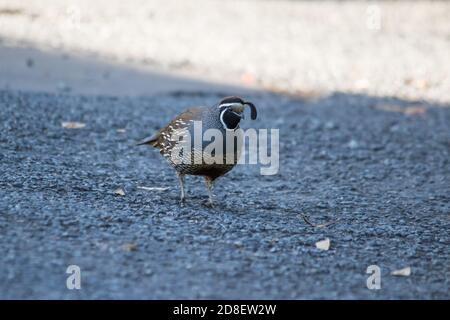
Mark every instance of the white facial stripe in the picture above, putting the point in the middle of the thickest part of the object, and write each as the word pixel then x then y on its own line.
pixel 221 119
pixel 230 104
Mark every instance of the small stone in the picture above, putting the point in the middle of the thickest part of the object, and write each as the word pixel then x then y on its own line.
pixel 119 192
pixel 323 244
pixel 404 272
pixel 129 247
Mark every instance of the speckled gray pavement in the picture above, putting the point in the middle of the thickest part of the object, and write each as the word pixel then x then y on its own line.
pixel 379 167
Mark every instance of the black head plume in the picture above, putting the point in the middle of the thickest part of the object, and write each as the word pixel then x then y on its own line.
pixel 253 112
pixel 231 100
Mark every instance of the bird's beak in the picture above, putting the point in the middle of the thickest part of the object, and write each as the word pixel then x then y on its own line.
pixel 239 109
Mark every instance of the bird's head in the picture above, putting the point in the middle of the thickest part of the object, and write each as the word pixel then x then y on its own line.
pixel 232 111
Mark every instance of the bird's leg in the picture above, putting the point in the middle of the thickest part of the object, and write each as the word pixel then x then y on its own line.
pixel 209 185
pixel 181 181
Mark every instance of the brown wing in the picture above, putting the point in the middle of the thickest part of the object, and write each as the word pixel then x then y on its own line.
pixel 179 122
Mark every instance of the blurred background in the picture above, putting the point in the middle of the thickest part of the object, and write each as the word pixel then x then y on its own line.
pixel 380 48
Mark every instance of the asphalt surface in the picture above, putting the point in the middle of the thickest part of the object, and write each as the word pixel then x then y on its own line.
pixel 378 167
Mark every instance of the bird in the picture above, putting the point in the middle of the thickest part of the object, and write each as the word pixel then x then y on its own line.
pixel 225 117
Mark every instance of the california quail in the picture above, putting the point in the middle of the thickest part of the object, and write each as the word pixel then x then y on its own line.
pixel 225 117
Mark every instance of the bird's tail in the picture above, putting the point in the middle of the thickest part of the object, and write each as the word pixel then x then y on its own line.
pixel 151 140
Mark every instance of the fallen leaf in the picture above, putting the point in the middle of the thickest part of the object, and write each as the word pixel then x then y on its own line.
pixel 408 81
pixel 73 125
pixel 129 247
pixel 405 272
pixel 153 188
pixel 323 244
pixel 411 110
pixel 389 108
pixel 414 110
pixel 119 192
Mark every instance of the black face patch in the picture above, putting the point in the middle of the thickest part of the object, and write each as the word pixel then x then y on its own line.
pixel 232 99
pixel 230 119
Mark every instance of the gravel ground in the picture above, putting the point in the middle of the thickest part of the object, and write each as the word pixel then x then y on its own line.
pixel 381 48
pixel 379 167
